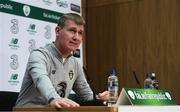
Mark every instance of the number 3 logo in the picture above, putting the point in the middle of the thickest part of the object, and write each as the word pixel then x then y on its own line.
pixel 14 64
pixel 61 89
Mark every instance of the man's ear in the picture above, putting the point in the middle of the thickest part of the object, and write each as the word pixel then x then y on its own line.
pixel 57 29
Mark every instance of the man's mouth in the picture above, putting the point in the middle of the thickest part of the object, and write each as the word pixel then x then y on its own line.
pixel 74 43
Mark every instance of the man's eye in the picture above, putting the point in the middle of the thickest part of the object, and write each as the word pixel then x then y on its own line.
pixel 72 30
pixel 80 33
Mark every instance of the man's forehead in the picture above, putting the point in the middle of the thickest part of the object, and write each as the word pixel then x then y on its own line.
pixel 71 23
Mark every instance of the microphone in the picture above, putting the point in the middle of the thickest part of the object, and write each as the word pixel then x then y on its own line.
pixel 95 101
pixel 137 81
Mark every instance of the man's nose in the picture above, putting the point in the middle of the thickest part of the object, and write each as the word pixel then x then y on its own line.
pixel 76 36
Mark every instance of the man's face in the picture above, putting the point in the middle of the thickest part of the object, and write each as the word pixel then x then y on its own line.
pixel 70 36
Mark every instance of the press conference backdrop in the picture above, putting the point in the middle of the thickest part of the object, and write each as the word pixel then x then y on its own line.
pixel 26 25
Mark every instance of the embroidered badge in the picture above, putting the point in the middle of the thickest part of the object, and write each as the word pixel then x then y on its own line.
pixel 71 74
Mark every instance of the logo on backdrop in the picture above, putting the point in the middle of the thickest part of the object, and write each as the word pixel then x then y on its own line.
pixel 14 64
pixel 26 10
pixel 14 28
pixel 47 33
pixel 47 2
pixel 32 46
pixel 62 3
pixel 13 79
pixel 76 53
pixel 32 29
pixel 75 8
pixel 6 6
pixel 14 43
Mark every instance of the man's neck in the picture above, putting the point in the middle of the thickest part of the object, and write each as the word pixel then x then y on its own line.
pixel 64 52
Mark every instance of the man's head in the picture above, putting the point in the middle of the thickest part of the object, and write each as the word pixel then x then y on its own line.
pixel 69 33
pixel 70 16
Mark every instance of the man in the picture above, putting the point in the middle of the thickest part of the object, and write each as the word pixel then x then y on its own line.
pixel 52 72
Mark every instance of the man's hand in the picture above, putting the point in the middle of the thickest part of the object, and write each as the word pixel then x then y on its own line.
pixel 104 95
pixel 63 102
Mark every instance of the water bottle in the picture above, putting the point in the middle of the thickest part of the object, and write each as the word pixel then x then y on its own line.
pixel 155 83
pixel 148 81
pixel 112 88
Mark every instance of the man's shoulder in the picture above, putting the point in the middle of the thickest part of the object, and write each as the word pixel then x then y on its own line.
pixel 41 51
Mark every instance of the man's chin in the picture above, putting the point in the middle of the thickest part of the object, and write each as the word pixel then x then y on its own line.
pixel 72 49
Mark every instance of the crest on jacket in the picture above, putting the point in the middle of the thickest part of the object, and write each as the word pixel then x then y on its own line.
pixel 71 74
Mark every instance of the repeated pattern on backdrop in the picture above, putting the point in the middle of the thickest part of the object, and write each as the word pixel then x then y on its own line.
pixel 26 25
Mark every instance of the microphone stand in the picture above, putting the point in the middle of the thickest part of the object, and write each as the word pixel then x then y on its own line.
pixel 137 81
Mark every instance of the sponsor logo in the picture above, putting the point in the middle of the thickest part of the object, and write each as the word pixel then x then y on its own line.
pixel 13 79
pixel 168 95
pixel 61 89
pixel 47 33
pixel 6 6
pixel 75 8
pixel 76 53
pixel 14 28
pixel 62 3
pixel 14 43
pixel 26 10
pixel 131 94
pixel 14 64
pixel 50 16
pixel 47 2
pixel 144 95
pixel 32 29
pixel 32 46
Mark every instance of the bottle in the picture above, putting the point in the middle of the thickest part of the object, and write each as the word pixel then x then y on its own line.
pixel 148 81
pixel 155 83
pixel 112 88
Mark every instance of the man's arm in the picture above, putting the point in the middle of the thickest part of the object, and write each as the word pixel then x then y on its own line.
pixel 38 69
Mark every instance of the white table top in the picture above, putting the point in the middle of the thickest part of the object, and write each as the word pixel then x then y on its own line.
pixel 130 108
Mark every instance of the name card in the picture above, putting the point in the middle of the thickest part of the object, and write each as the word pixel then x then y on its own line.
pixel 132 96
